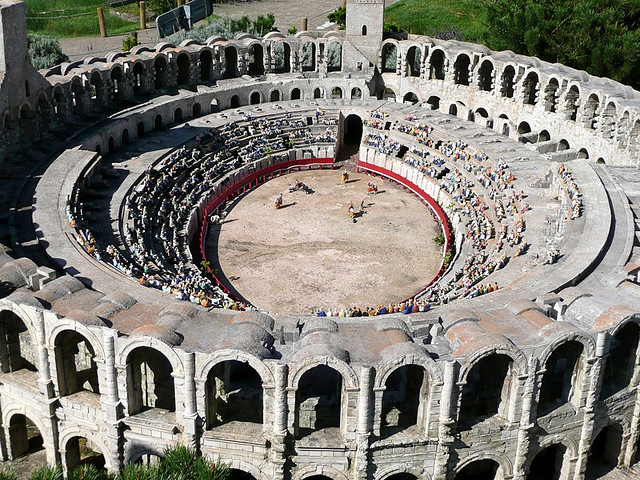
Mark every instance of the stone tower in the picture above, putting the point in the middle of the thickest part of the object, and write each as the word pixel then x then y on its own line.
pixel 365 23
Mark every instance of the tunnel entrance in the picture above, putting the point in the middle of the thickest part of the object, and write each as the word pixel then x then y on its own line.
pixel 351 137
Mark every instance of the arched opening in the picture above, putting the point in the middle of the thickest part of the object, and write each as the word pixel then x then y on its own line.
pixel 544 136
pixel 24 436
pixel 410 97
pixel 479 470
pixel 146 458
pixel 547 464
pixel 623 130
pixel 406 390
pixel 295 94
pixel 601 161
pixel 434 102
pixel 318 400
pixel 233 393
pixel 334 57
pixel 551 96
pixel 389 57
pixel 160 78
pixel 125 136
pixel 28 125
pixel 98 149
pixel 116 83
pixel 356 93
pixel 81 451
pixel 487 390
pixel 524 128
pixel 97 91
pixel 281 52
pixel 317 93
pixel 177 115
pixel 436 65
pixel 608 121
pixel 505 129
pixel 461 69
pixel 562 378
pixel 75 364
pixel 571 103
pixel 59 104
pixel 256 59
pixel 17 348
pixel 605 451
pixel 255 98
pixel 206 66
pixel 140 129
pixel 149 381
pixel 485 76
pixel 453 110
pixel 563 145
pixel 44 113
pixel 336 92
pixel 388 94
pixel 230 63
pixel 275 96
pixel 111 146
pixel 414 58
pixel 308 57
pixel 589 117
pixel 184 69
pixel 583 153
pixel 364 30
pixel 530 89
pixel 158 122
pixel 196 110
pixel 77 97
pixel 402 476
pixel 619 366
pixel 506 83
pixel 235 474
pixel 352 137
pixel 235 102
pixel 139 73
pixel 318 477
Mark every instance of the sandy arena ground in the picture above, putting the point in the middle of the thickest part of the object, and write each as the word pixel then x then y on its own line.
pixel 310 254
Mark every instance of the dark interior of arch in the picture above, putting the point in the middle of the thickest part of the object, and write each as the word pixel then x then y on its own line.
pixel 479 470
pixel 352 137
pixel 77 369
pixel 236 474
pixel 402 476
pixel 151 383
pixel 547 465
pixel 234 393
pixel 318 400
pixel 80 451
pixel 17 350
pixel 605 450
pixel 401 398
pixel 561 372
pixel 24 436
pixel 619 366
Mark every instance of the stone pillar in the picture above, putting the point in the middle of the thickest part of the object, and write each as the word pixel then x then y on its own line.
pixel 280 422
pixel 110 403
pixel 365 424
pixel 629 452
pixel 143 15
pixel 527 420
pixel 595 366
pixel 45 384
pixel 304 24
pixel 447 419
pixel 190 414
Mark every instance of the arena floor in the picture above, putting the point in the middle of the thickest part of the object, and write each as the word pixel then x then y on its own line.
pixel 310 254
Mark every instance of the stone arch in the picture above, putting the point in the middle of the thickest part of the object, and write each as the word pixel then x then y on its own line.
pixel 389 59
pixel 434 101
pixel 205 60
pixel 563 144
pixel 502 464
pixel 401 472
pixel 583 153
pixel 256 59
pixel 234 102
pixel 69 353
pixel 255 98
pixel 158 122
pixel 196 110
pixel 410 97
pixel 111 145
pixel 150 381
pixel 225 355
pixel 549 463
pixel 281 56
pixel 295 94
pixel 317 92
pixel 589 115
pixel 507 81
pixel 125 138
pixel 177 115
pixel 134 452
pixel 308 56
pixel 571 101
pixel 485 75
pixel 551 95
pixel 432 368
pixel 461 69
pixel 69 434
pixel 43 110
pixel 356 93
pixel 524 128
pixel 336 92
pixel 230 62
pixel 319 401
pixel 531 88
pixel 349 376
pixel 140 129
pixel 183 64
pixel 620 362
pixel 544 136
pixel 59 102
pixel 97 88
pixel 414 61
pixel 320 471
pixel 634 137
pixel 606 447
pixel 116 78
pixel 453 110
pixel 622 134
pixel 28 124
pixel 17 435
pixel 18 340
pixel 437 64
pixel 334 56
pixel 139 79
pixel 160 72
pixel 127 347
pixel 235 463
pixel 77 96
pixel 388 94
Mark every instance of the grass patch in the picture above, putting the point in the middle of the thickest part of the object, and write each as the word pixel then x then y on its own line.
pixel 68 18
pixel 434 16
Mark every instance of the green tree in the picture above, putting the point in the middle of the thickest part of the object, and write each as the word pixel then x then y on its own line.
pixel 44 52
pixel 161 6
pixel 339 16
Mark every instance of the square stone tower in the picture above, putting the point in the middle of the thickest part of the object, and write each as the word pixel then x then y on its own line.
pixel 364 29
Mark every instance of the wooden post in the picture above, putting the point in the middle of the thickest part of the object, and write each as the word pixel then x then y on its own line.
pixel 103 28
pixel 304 24
pixel 180 3
pixel 143 15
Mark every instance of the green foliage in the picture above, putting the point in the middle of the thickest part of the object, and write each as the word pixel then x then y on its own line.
pixel 89 472
pixel 181 462
pixel 129 42
pixel 161 6
pixel 292 30
pixel 47 473
pixel 226 27
pixel 439 240
pixel 339 16
pixel 44 52
pixel 8 475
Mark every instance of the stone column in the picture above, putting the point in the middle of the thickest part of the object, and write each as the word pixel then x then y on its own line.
pixel 595 366
pixel 527 420
pixel 110 403
pixel 280 422
pixel 365 424
pixel 447 419
pixel 45 384
pixel 629 452
pixel 190 415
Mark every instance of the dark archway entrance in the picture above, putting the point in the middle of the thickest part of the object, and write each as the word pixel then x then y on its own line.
pixel 605 451
pixel 547 465
pixel 351 137
pixel 478 470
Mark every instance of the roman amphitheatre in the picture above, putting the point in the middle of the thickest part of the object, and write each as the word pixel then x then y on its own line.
pixel 137 305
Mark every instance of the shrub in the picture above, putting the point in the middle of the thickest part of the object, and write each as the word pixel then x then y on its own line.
pixel 161 6
pixel 129 42
pixel 44 52
pixel 47 473
pixel 339 16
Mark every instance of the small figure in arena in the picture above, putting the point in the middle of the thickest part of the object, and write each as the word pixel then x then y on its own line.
pixel 352 211
pixel 372 188
pixel 278 201
pixel 345 177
